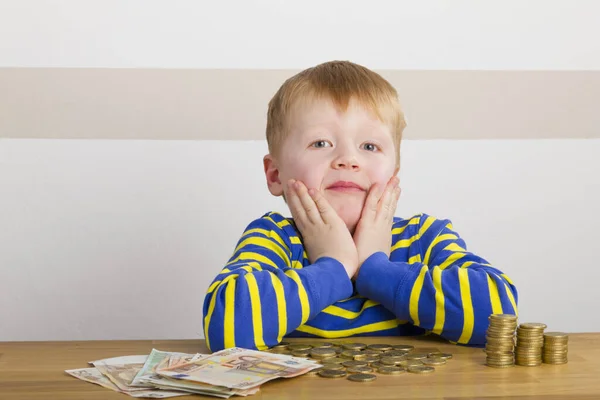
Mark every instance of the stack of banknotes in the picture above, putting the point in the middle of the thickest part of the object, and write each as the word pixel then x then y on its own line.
pixel 161 374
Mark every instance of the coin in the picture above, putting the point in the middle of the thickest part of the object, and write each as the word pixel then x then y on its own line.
pixel 409 363
pixel 350 353
pixel 363 369
pixel 329 373
pixel 354 346
pixel 335 360
pixel 555 349
pixel 433 361
pixel 322 353
pixel 299 347
pixel 390 370
pixel 354 363
pixel 391 360
pixel 335 367
pixel 380 347
pixel 314 372
pixel 391 353
pixel 369 358
pixel 530 341
pixel 500 339
pixel 300 353
pixel 533 325
pixel 421 369
pixel 445 356
pixel 403 347
pixel 416 356
pixel 362 377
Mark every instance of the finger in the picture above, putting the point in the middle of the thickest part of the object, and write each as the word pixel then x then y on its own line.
pixel 295 205
pixel 386 207
pixel 327 212
pixel 310 208
pixel 393 203
pixel 372 203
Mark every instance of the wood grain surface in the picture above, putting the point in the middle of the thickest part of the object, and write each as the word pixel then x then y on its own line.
pixel 35 370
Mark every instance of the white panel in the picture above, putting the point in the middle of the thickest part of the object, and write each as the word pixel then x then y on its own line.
pixel 382 34
pixel 120 239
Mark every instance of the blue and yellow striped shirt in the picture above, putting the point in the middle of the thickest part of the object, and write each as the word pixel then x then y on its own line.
pixel 430 284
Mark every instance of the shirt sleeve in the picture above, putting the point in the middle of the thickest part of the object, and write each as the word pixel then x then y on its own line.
pixel 262 293
pixel 446 290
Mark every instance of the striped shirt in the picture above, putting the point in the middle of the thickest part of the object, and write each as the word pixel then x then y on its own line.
pixel 430 283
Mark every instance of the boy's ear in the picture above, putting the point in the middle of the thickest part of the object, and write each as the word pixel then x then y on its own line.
pixel 272 174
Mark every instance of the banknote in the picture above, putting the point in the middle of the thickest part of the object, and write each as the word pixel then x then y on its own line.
pixel 154 359
pixel 92 375
pixel 239 368
pixel 122 370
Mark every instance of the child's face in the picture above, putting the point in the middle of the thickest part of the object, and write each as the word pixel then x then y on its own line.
pixel 325 146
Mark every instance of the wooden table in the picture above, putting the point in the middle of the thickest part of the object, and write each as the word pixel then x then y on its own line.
pixel 35 370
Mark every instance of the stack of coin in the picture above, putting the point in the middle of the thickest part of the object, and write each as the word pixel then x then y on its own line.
pixel 500 340
pixel 530 340
pixel 556 347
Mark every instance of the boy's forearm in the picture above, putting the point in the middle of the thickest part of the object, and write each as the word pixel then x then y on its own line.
pixel 453 302
pixel 255 310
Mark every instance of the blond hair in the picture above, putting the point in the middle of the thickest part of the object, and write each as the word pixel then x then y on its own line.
pixel 338 81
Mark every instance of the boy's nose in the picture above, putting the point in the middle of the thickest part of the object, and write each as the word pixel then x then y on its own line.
pixel 346 162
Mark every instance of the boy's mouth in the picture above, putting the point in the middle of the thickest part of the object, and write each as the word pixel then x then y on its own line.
pixel 345 186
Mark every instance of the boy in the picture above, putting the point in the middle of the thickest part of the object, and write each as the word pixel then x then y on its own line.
pixel 344 265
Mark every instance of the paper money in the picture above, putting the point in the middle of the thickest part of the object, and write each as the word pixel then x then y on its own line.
pixel 122 370
pixel 154 359
pixel 239 368
pixel 94 376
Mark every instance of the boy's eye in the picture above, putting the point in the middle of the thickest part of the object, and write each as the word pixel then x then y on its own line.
pixel 320 143
pixel 371 147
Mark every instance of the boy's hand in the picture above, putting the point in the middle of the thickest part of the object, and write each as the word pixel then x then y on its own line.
pixel 325 234
pixel 373 231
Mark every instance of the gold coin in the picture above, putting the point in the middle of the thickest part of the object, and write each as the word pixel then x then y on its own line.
pixel 533 325
pixel 335 360
pixel 322 352
pixel 314 372
pixel 392 353
pixel 391 360
pixel 356 370
pixel 403 347
pixel 300 353
pixel 416 356
pixel 371 352
pixel 354 363
pixel 323 345
pixel 421 369
pixel 362 377
pixel 503 317
pixel 433 361
pixel 350 353
pixel 380 347
pixel 376 365
pixel 500 366
pixel 299 347
pixel 390 370
pixel 330 373
pixel 410 363
pixel 370 359
pixel 445 356
pixel 354 346
pixel 334 367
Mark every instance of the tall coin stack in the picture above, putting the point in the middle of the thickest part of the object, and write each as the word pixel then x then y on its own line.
pixel 530 340
pixel 500 340
pixel 556 347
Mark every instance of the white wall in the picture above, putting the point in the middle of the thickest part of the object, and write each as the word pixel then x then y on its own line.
pixel 394 34
pixel 119 239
